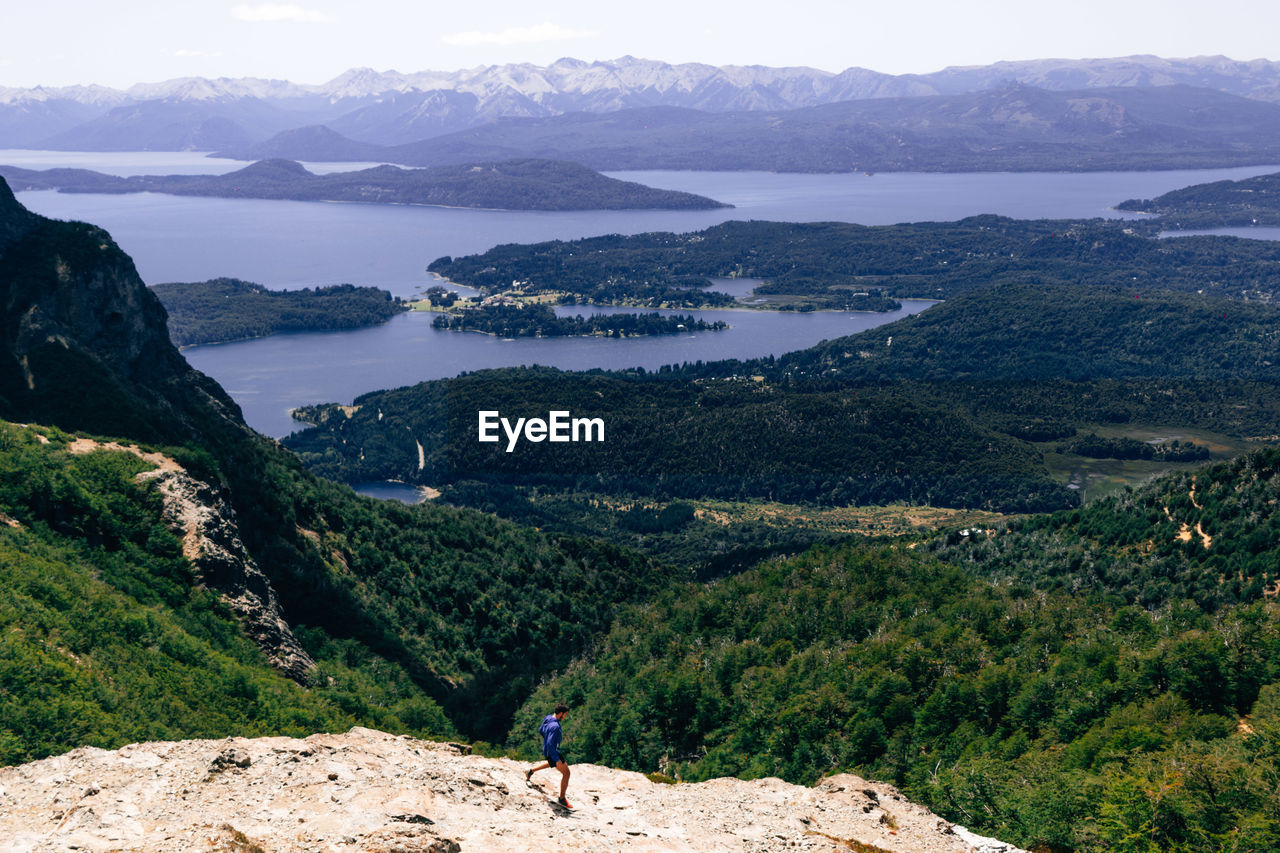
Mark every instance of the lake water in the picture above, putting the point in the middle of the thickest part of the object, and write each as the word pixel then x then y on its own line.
pixel 286 244
pixel 269 376
pixel 1251 233
pixel 283 244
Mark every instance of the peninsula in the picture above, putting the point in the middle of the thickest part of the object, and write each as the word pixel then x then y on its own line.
pixel 1219 204
pixel 528 184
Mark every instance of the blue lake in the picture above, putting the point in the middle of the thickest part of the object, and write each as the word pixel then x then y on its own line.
pixel 284 244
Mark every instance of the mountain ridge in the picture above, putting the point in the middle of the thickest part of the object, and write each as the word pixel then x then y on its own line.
pixel 391 107
pixel 1012 128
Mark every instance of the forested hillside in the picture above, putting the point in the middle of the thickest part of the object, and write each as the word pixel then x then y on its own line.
pixel 1034 332
pixel 108 640
pixel 1207 536
pixel 1094 680
pixel 675 437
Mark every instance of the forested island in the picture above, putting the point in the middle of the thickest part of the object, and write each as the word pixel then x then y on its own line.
pixel 526 320
pixel 858 267
pixel 1247 202
pixel 228 309
pixel 510 185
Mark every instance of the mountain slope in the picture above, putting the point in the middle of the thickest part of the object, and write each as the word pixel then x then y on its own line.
pixel 84 344
pixel 1012 128
pixel 1028 332
pixel 1056 681
pixel 128 609
pixel 669 437
pixel 175 124
pixel 1209 536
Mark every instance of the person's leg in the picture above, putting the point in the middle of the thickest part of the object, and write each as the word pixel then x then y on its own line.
pixel 564 777
pixel 529 773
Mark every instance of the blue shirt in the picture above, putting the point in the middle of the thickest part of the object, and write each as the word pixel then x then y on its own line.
pixel 550 731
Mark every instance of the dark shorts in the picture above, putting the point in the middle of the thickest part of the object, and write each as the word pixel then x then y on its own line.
pixel 554 758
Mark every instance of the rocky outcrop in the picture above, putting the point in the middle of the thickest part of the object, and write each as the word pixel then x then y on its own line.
pixel 200 515
pixel 374 792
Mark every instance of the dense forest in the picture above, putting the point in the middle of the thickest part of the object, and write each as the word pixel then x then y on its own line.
pixel 1089 680
pixel 228 309
pixel 508 185
pixel 829 264
pixel 1247 202
pixel 534 320
pixel 1099 447
pixel 677 438
pixel 1034 332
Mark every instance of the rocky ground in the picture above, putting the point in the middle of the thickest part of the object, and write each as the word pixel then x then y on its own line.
pixel 369 791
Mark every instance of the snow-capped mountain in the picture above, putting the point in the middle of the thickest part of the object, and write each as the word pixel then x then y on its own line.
pixel 390 107
pixel 222 88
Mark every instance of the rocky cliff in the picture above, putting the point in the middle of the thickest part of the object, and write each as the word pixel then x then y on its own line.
pixel 83 343
pixel 370 791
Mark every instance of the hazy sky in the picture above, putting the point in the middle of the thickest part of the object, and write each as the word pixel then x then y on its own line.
pixel 62 42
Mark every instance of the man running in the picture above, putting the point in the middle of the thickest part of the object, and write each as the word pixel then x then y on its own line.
pixel 550 731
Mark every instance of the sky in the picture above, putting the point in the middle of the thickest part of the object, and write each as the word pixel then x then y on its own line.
pixel 68 42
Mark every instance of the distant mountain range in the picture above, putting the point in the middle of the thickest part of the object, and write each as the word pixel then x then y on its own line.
pixel 1007 129
pixel 390 108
